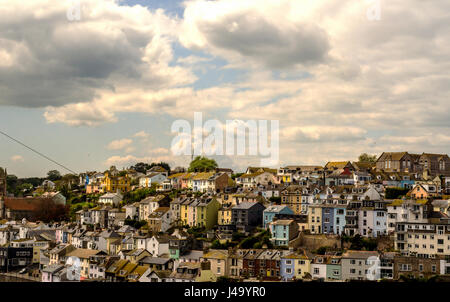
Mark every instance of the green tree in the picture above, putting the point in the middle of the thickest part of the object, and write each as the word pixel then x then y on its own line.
pixel 395 193
pixel 140 167
pixel 161 164
pixel 54 175
pixel 202 164
pixel 367 158
pixel 321 250
pixel 276 200
pixel 236 175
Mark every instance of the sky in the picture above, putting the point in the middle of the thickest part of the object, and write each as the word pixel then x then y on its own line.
pixel 342 77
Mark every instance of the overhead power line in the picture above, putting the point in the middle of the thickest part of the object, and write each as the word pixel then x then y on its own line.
pixel 37 152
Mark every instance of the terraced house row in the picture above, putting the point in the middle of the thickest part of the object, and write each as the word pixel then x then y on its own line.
pixel 387 219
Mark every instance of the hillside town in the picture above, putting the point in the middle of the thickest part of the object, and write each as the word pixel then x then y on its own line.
pixel 380 218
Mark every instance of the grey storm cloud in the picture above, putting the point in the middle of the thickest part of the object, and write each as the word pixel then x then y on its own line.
pixel 256 38
pixel 49 61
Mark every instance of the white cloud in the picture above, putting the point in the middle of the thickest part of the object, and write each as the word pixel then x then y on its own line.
pixel 349 85
pixel 142 134
pixel 119 144
pixel 323 133
pixel 159 151
pixel 253 31
pixel 46 60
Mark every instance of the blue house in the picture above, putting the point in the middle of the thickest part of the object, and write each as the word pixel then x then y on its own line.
pixel 333 219
pixel 283 231
pixel 328 220
pixel 273 211
pixel 339 220
pixel 287 266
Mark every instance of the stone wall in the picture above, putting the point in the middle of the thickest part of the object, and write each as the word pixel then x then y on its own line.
pixel 313 242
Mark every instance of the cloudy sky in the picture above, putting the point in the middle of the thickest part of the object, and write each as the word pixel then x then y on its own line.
pixel 104 90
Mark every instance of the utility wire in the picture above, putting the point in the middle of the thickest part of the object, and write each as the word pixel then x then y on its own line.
pixel 37 152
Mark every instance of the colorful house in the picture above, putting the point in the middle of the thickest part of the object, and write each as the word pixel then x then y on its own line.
pixel 334 268
pixel 295 265
pixel 113 183
pixel 224 216
pixel 273 211
pixel 315 219
pixel 283 231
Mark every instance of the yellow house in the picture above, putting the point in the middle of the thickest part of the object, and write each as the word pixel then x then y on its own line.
pixel 137 254
pixel 58 254
pixel 302 265
pixel 206 213
pixel 114 246
pixel 218 262
pixel 315 219
pixel 224 215
pixel 38 246
pixel 113 241
pixel 114 183
pixel 292 197
pixel 84 255
pixel 286 178
pixel 184 211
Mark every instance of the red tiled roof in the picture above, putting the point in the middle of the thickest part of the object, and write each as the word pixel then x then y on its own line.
pixel 23 204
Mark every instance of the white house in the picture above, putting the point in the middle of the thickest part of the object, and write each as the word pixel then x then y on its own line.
pixel 148 206
pixel 131 211
pixel 54 273
pixel 255 179
pixel 57 197
pixel 151 178
pixel 404 211
pixel 111 198
pixel 48 184
pixel 319 268
pixel 158 245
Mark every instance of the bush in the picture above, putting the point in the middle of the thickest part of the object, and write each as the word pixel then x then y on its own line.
pixel 138 195
pixel 276 200
pixel 135 223
pixel 395 193
pixel 359 243
pixel 321 250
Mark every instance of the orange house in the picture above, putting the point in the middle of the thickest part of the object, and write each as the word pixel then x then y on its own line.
pixel 418 192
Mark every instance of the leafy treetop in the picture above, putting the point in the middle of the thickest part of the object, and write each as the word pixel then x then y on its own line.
pixel 202 164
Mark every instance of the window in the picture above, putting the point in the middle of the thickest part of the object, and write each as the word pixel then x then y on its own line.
pixel 405 267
